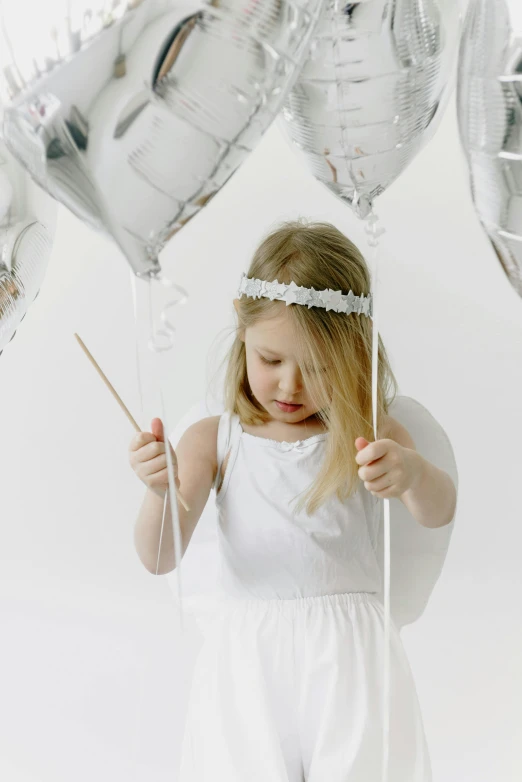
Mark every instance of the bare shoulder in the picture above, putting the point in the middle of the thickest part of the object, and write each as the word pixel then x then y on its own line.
pixel 200 439
pixel 393 430
pixel 205 427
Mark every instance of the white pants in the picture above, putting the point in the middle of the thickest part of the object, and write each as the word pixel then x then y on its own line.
pixel 291 691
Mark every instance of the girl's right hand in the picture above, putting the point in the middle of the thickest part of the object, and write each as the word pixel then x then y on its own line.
pixel 148 459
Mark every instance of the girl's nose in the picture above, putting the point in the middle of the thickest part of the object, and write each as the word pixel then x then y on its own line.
pixel 291 382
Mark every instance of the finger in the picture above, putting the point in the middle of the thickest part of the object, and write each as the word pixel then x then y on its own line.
pixel 374 451
pixel 152 463
pixel 361 442
pixel 385 494
pixel 154 466
pixel 373 471
pixel 366 454
pixel 141 439
pixel 150 451
pixel 380 484
pixel 157 429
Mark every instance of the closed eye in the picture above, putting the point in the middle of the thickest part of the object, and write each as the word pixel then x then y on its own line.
pixel 312 370
pixel 266 361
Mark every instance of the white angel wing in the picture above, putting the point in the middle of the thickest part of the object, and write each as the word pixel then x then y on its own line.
pixel 417 553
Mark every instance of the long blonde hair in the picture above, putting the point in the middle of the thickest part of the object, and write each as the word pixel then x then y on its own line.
pixel 316 254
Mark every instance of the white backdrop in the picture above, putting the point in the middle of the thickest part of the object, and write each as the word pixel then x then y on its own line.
pixel 93 669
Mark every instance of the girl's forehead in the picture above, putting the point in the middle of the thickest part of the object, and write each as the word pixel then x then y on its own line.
pixel 273 334
pixel 278 327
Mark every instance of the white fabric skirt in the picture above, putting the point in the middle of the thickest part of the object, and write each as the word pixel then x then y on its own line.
pixel 291 691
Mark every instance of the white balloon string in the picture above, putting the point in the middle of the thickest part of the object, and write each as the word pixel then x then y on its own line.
pixel 137 743
pixel 137 340
pixel 374 230
pixel 152 344
pixel 161 341
pixel 174 514
pixel 162 338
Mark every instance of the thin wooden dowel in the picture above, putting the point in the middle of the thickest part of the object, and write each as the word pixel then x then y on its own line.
pixel 117 398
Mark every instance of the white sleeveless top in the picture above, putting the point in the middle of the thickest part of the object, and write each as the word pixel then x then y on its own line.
pixel 267 550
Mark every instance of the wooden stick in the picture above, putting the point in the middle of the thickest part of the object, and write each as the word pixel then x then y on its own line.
pixel 118 399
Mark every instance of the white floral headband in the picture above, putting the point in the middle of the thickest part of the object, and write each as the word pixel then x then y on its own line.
pixel 294 294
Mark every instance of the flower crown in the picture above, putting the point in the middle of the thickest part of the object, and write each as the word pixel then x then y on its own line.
pixel 295 294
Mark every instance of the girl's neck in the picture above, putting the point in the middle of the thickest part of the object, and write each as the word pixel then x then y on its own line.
pixel 279 430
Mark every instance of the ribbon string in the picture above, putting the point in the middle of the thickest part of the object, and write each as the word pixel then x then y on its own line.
pixel 160 340
pixel 374 231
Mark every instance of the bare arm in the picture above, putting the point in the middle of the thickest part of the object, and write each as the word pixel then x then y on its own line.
pixel 432 501
pixel 197 466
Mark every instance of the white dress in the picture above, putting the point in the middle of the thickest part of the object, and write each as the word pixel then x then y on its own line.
pixel 288 684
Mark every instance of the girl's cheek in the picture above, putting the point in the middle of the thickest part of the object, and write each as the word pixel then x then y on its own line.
pixel 263 380
pixel 267 382
pixel 257 379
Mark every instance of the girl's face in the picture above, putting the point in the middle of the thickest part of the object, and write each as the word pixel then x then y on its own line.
pixel 273 370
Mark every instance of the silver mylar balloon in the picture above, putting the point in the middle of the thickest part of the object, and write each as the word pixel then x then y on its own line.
pixel 372 92
pixel 134 113
pixel 489 98
pixel 25 244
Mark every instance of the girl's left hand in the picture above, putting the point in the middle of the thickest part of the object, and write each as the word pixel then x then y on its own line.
pixel 387 468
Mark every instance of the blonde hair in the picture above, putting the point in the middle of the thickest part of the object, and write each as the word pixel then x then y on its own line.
pixel 316 254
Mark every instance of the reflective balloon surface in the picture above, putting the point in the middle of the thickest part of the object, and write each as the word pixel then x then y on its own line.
pixel 490 120
pixel 372 92
pixel 135 113
pixel 25 245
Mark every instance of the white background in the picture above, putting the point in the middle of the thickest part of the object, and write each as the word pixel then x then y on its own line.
pixel 94 673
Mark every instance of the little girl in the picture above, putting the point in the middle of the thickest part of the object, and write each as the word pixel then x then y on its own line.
pixel 287 687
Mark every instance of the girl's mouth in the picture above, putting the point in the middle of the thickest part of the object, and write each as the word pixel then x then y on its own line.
pixel 287 408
